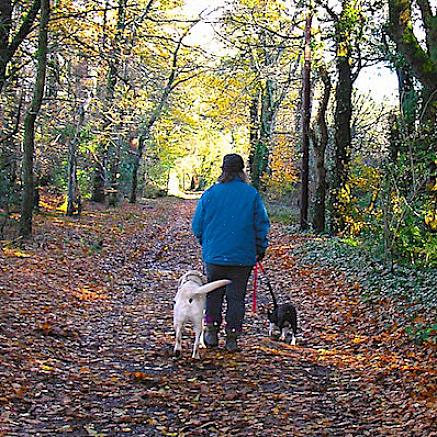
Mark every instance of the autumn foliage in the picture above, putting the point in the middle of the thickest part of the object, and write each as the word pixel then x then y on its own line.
pixel 86 340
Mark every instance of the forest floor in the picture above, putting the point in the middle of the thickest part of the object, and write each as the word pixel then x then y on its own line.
pixel 86 341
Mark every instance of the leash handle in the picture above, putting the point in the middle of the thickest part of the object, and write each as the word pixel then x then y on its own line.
pixel 255 286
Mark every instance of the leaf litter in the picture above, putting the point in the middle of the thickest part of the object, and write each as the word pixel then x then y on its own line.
pixel 86 341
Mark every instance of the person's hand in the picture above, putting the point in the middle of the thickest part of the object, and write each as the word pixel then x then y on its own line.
pixel 260 255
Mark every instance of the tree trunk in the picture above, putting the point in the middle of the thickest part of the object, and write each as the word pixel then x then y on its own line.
pixel 407 98
pixel 29 123
pixel 136 167
pixel 430 111
pixel 260 157
pixel 146 128
pixel 342 121
pixel 5 28
pixel 103 157
pixel 7 172
pixel 98 190
pixel 114 192
pixel 254 136
pixel 10 43
pixel 74 200
pixel 423 62
pixel 306 117
pixel 319 136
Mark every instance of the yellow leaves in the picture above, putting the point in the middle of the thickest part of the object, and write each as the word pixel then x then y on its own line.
pixel 363 183
pixel 15 253
pixel 63 207
pixel 397 203
pixel 46 368
pixel 344 194
pixel 250 3
pixel 354 227
pixel 432 186
pixel 431 220
pixel 342 50
pixel 405 16
pixel 283 169
pixel 276 410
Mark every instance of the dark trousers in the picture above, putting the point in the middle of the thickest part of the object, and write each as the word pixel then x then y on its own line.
pixel 235 295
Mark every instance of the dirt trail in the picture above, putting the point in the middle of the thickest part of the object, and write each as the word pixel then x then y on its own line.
pixel 86 342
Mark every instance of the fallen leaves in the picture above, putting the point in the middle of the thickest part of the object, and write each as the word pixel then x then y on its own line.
pixel 86 341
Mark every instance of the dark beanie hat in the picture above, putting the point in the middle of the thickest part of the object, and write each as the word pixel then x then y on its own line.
pixel 233 162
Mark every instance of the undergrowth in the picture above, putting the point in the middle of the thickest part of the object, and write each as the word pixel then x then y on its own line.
pixel 414 290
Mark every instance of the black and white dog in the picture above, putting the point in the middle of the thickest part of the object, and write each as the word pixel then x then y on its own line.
pixel 283 316
pixel 189 307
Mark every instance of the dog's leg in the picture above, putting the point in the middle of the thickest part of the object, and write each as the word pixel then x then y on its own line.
pixel 293 339
pixel 284 332
pixel 271 327
pixel 198 331
pixel 202 344
pixel 178 345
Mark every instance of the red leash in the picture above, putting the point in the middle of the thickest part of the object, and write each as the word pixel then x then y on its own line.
pixel 255 285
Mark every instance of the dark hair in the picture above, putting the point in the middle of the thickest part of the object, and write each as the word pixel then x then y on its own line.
pixel 230 175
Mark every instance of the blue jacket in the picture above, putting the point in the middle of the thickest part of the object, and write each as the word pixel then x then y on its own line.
pixel 231 223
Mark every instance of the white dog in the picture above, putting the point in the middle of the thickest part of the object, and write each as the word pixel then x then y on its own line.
pixel 190 305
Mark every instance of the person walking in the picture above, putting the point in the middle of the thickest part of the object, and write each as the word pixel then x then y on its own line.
pixel 231 224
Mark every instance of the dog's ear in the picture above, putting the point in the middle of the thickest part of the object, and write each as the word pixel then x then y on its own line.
pixel 201 277
pixel 191 273
pixel 181 280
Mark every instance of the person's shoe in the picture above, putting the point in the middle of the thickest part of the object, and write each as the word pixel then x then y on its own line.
pixel 231 341
pixel 211 336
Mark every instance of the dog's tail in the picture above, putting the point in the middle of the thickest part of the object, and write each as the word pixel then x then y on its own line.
pixel 211 286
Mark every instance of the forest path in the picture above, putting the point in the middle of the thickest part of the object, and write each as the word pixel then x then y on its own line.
pixel 86 342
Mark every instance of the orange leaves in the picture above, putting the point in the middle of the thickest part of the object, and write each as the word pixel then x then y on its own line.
pixel 49 328
pixel 281 255
pixel 46 327
pixel 356 286
pixel 85 294
pixel 19 390
pixel 88 341
pixel 140 376
pixel 284 172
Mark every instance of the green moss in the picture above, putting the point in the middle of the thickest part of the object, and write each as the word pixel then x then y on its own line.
pixel 428 66
pixel 409 37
